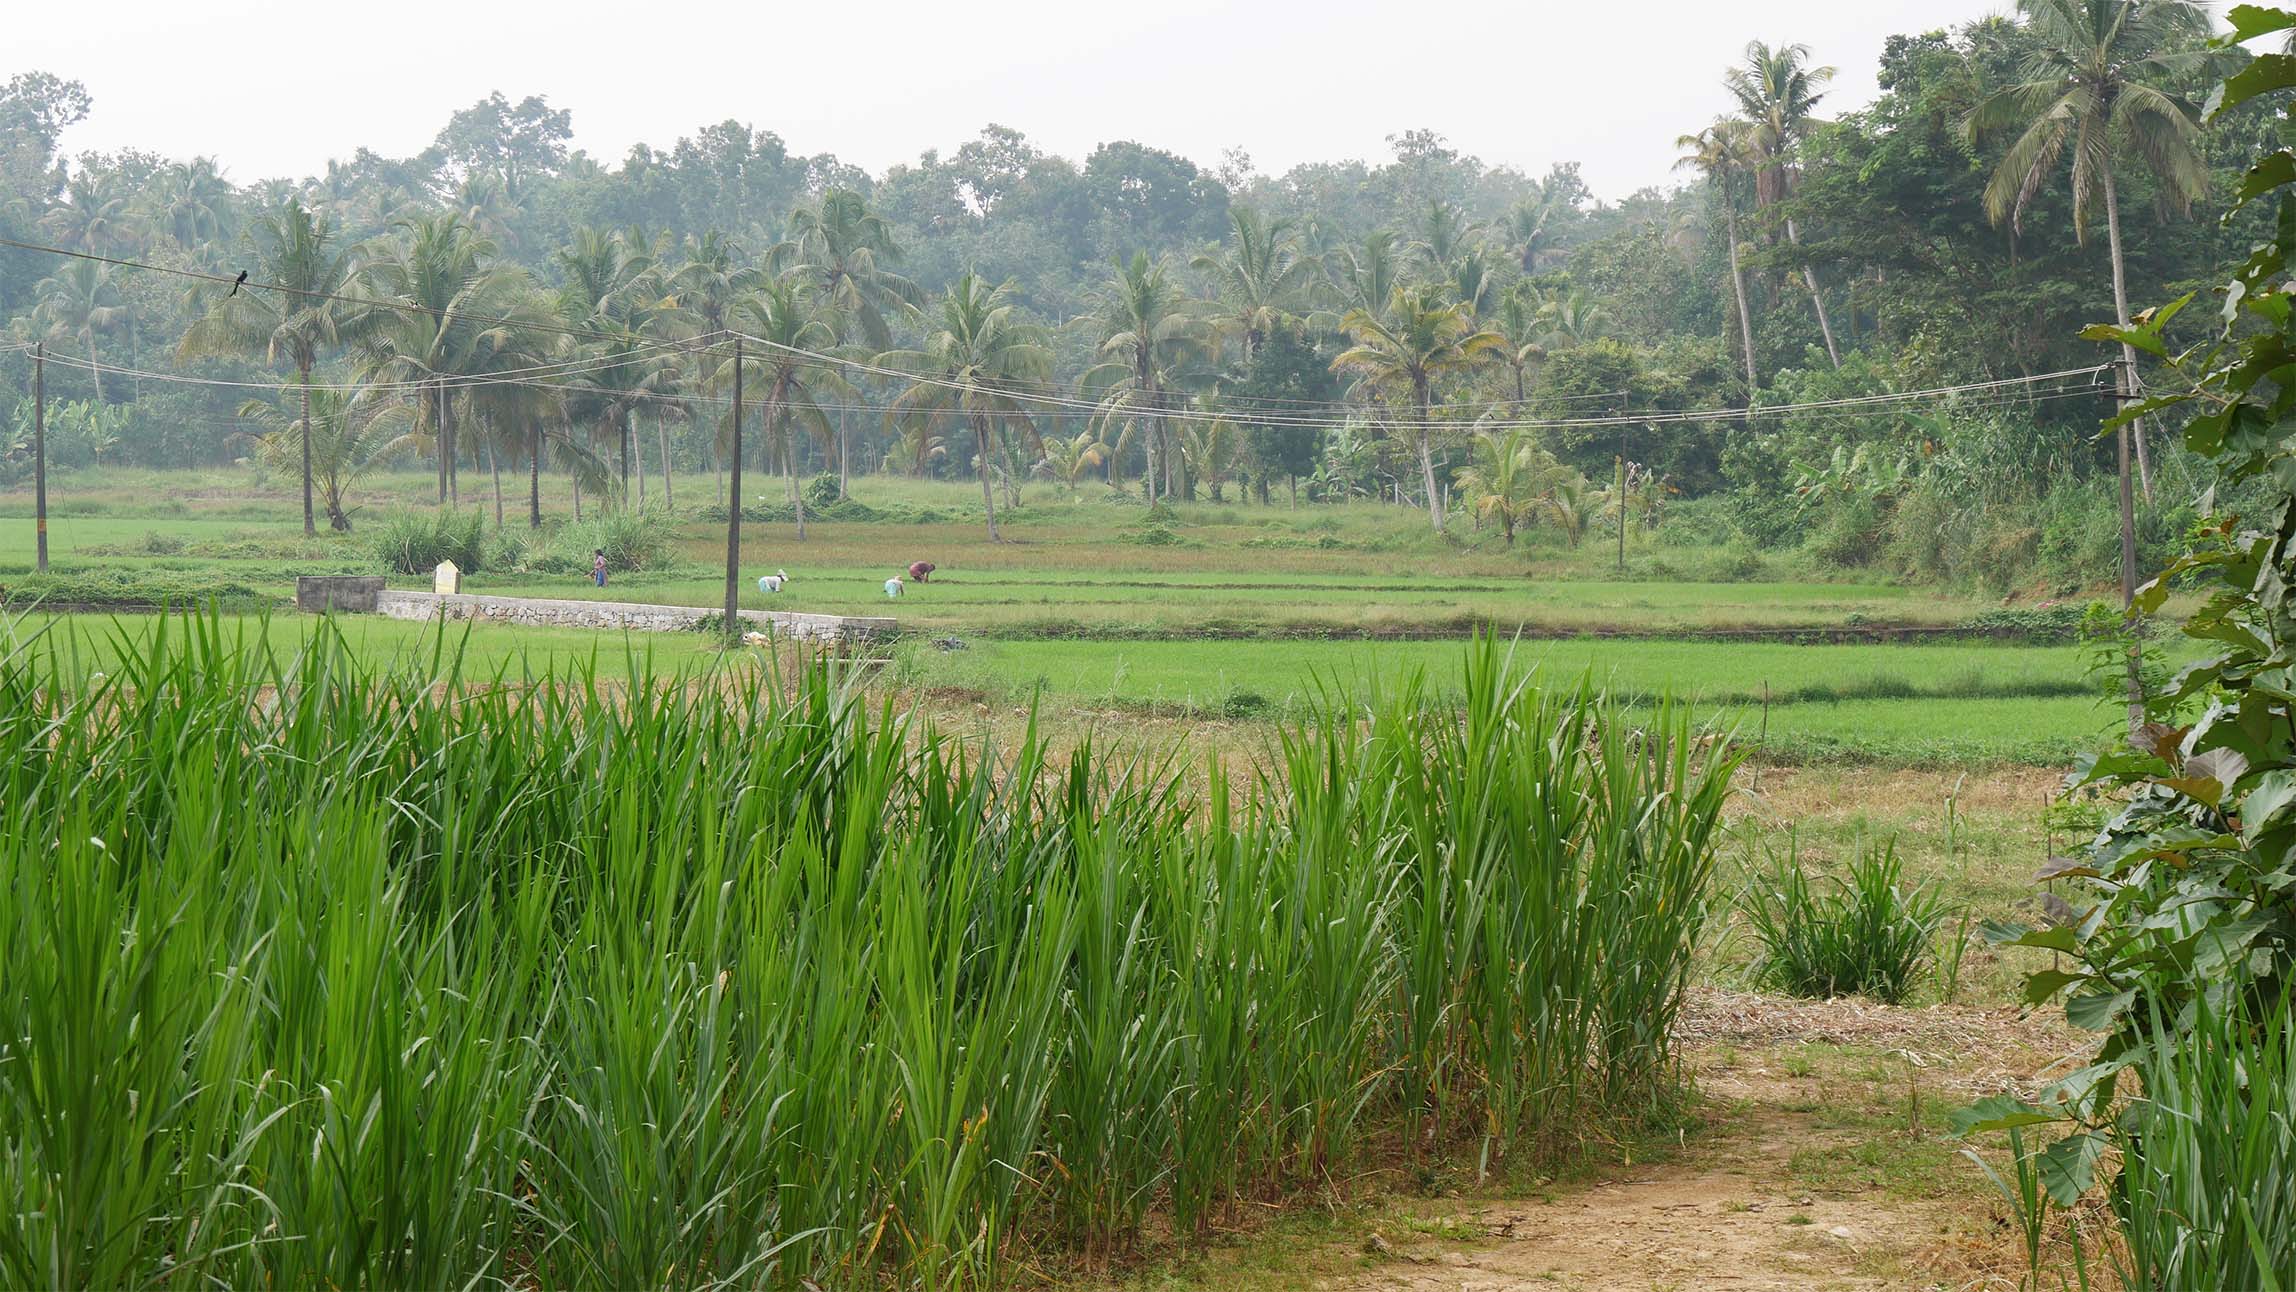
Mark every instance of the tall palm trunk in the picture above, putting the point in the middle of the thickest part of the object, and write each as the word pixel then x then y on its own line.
pixel 622 429
pixel 95 374
pixel 437 418
pixel 1817 298
pixel 2128 377
pixel 637 455
pixel 303 365
pixel 1738 285
pixel 662 438
pixel 789 465
pixel 981 464
pixel 1421 397
pixel 494 468
pixel 534 476
pixel 844 458
pixel 449 452
pixel 717 463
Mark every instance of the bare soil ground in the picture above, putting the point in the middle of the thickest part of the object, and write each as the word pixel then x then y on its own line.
pixel 1824 1161
pixel 1817 1171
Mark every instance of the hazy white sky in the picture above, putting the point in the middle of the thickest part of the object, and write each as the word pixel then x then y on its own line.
pixel 271 88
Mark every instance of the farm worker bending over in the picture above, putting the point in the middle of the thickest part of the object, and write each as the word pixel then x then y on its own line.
pixel 922 571
pixel 773 582
pixel 893 586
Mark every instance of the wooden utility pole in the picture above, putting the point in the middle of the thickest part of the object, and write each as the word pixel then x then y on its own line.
pixel 733 516
pixel 40 457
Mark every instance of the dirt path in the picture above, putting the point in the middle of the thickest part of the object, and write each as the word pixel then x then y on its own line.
pixel 1824 1165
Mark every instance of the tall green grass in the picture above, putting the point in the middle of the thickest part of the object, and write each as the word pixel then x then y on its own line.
pixel 322 976
pixel 1868 932
pixel 2206 1195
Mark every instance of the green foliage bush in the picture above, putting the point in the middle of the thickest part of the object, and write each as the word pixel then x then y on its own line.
pixel 1870 934
pixel 2181 946
pixel 631 540
pixel 415 542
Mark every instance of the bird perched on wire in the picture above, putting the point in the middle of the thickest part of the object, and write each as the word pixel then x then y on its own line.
pixel 236 284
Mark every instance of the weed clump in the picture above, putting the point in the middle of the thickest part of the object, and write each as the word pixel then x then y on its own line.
pixel 1869 934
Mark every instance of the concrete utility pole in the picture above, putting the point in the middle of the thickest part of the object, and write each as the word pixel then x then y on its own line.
pixel 40 456
pixel 733 516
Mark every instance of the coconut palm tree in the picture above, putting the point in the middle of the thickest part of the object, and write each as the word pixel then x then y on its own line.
pixel 615 292
pixel 191 201
pixel 2093 87
pixel 1361 277
pixel 714 277
pixel 1720 152
pixel 1778 91
pixel 437 293
pixel 1522 320
pixel 1509 478
pixel 1147 329
pixel 290 313
pixel 94 215
pixel 976 365
pixel 791 325
pixel 1213 448
pixel 1529 227
pixel 1070 460
pixel 79 302
pixel 849 251
pixel 1257 279
pixel 1570 504
pixel 1445 236
pixel 337 436
pixel 1572 320
pixel 1421 340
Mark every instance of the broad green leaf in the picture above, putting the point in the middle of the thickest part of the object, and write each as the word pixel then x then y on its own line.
pixel 2267 802
pixel 2098 1011
pixel 1998 1113
pixel 2069 1167
pixel 2040 986
pixel 2248 21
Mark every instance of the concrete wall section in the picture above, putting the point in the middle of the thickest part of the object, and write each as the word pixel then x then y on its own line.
pixel 629 615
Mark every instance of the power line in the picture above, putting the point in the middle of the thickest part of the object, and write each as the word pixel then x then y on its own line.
pixel 1972 396
pixel 370 302
pixel 1060 403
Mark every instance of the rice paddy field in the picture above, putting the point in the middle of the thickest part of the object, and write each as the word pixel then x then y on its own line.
pixel 1296 901
pixel 1242 615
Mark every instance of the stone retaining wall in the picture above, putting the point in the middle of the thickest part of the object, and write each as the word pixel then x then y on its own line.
pixel 315 593
pixel 630 615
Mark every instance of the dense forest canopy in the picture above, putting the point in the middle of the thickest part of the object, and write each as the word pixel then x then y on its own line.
pixel 1396 329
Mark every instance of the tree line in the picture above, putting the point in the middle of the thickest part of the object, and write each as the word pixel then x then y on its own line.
pixel 1138 322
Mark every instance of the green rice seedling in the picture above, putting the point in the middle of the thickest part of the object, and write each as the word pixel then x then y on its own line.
pixel 1870 933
